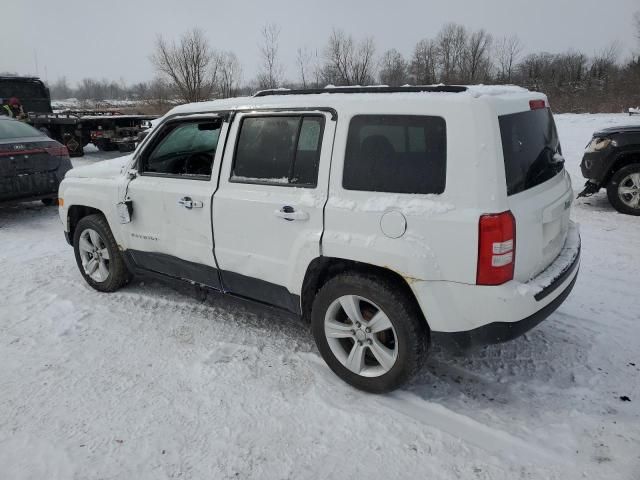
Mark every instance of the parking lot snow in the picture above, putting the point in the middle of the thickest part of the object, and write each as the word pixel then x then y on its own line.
pixel 153 382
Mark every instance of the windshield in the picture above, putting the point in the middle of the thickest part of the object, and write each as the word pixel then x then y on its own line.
pixel 531 149
pixel 13 129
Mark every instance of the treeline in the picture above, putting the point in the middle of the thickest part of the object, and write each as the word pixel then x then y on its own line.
pixel 189 69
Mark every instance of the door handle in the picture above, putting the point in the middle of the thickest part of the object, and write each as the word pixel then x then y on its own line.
pixel 290 214
pixel 188 203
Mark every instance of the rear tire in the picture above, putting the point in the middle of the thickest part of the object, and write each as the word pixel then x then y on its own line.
pixel 97 254
pixel 623 189
pixel 388 317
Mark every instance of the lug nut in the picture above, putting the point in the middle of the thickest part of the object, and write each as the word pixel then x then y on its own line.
pixel 358 324
pixel 353 332
pixel 369 342
pixel 368 330
pixel 359 343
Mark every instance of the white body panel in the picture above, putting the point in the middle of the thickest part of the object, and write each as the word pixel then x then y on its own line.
pixel 251 239
pixel 430 240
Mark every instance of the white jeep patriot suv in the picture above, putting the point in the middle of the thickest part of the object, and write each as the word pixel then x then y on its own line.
pixel 388 217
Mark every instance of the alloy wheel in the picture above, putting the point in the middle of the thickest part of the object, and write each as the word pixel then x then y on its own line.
pixel 361 336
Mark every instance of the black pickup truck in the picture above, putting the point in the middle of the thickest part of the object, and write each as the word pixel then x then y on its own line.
pixel 108 130
pixel 612 161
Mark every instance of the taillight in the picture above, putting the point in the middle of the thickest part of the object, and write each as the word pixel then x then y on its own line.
pixel 537 104
pixel 496 248
pixel 58 151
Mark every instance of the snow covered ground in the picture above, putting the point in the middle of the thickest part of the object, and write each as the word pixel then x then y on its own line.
pixel 152 383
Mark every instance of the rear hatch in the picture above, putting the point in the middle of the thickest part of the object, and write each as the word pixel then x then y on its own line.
pixel 30 166
pixel 538 188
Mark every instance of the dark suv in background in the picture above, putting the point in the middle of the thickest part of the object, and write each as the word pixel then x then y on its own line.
pixel 612 161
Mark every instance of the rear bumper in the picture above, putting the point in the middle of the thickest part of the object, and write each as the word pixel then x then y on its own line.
pixel 468 315
pixel 498 332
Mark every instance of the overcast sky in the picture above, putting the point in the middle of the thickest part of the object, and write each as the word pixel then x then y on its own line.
pixel 114 38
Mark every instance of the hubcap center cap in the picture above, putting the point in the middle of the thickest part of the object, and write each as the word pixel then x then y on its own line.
pixel 360 335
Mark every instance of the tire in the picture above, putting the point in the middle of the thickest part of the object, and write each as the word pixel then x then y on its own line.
pixel 407 336
pixel 623 189
pixel 117 273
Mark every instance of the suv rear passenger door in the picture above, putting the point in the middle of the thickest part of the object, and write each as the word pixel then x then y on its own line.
pixel 268 209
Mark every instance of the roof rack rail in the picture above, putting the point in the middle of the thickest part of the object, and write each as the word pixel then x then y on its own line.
pixel 381 89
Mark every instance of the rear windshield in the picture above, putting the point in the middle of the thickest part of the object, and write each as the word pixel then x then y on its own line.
pixel 14 129
pixel 529 144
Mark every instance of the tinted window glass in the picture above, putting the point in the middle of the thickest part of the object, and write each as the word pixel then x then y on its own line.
pixel 305 167
pixel 278 150
pixel 14 129
pixel 188 149
pixel 396 153
pixel 529 143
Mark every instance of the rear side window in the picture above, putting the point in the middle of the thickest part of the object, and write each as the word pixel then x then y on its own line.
pixel 396 153
pixel 529 145
pixel 278 150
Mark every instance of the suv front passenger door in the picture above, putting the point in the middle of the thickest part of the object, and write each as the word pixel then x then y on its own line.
pixel 170 230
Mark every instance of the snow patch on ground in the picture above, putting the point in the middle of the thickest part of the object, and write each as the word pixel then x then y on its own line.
pixel 151 383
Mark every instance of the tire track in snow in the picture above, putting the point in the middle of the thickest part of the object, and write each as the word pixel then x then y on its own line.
pixel 492 440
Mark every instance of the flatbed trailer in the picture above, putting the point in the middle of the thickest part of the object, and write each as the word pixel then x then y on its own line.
pixel 107 129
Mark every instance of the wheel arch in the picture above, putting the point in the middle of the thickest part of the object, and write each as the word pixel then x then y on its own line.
pixel 622 160
pixel 322 269
pixel 75 213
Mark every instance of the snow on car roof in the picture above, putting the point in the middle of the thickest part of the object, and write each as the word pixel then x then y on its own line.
pixel 335 99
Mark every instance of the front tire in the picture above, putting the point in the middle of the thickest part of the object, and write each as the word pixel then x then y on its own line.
pixel 97 254
pixel 623 189
pixel 369 331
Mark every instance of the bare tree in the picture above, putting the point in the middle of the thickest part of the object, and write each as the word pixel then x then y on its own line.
pixel 191 65
pixel 393 68
pixel 477 61
pixel 604 62
pixel 309 69
pixel 230 74
pixel 60 89
pixel 636 22
pixel 452 45
pixel 424 63
pixel 303 61
pixel 508 53
pixel 272 70
pixel 348 63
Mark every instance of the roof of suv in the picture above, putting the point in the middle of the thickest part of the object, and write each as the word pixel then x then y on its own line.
pixel 337 97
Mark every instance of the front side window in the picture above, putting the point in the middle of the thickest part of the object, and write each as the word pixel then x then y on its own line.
pixel 396 154
pixel 278 150
pixel 186 149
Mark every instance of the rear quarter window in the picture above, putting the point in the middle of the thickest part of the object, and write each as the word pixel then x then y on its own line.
pixel 396 154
